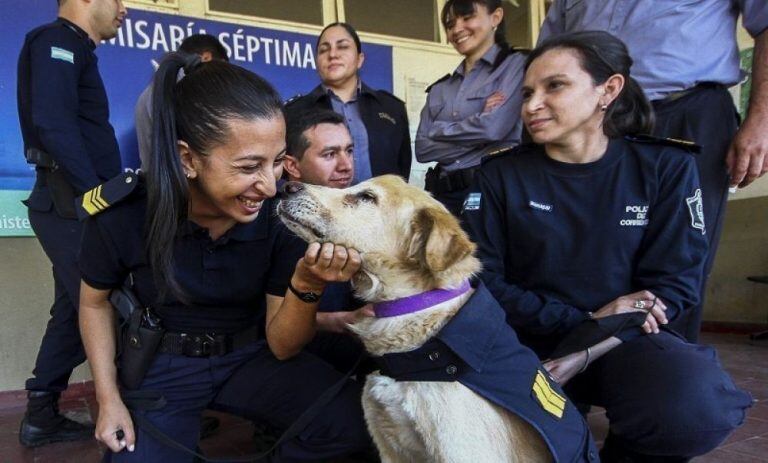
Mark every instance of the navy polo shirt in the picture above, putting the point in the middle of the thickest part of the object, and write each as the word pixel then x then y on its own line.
pixel 558 240
pixel 225 280
pixel 63 108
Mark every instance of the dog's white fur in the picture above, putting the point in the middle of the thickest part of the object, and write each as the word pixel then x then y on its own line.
pixel 410 244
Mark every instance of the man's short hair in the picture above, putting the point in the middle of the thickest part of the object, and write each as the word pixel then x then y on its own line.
pixel 201 43
pixel 298 122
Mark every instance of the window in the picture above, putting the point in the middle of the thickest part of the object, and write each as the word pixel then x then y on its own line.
pixel 300 11
pixel 517 16
pixel 411 19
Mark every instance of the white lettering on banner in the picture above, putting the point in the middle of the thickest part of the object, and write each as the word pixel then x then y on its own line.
pixel 240 45
pixel 14 223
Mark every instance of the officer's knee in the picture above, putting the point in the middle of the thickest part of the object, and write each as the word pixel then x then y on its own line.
pixel 695 413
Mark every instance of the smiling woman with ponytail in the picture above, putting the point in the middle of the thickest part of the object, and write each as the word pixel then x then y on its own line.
pixel 210 264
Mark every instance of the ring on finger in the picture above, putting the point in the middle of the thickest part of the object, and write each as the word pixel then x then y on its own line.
pixel 639 304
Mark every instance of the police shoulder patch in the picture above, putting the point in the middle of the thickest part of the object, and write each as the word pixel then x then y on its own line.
pixel 107 194
pixel 472 202
pixel 696 210
pixel 436 82
pixel 676 142
pixel 62 54
pixel 549 399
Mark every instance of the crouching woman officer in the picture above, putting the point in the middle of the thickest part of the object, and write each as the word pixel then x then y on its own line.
pixel 595 238
pixel 205 252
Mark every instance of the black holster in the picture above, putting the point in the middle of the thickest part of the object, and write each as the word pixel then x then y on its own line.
pixel 62 193
pixel 138 340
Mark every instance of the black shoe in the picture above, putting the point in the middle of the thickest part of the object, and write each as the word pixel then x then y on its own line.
pixel 63 430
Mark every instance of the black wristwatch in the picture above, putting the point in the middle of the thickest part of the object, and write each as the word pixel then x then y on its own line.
pixel 309 297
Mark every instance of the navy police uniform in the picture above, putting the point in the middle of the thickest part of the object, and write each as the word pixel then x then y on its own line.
pixel 225 282
pixel 64 119
pixel 479 350
pixel 386 123
pixel 559 240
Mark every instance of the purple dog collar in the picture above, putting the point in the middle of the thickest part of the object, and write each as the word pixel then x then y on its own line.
pixel 418 302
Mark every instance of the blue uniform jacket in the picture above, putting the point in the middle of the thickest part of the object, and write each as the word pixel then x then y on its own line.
pixel 558 240
pixel 63 108
pixel 478 349
pixel 385 118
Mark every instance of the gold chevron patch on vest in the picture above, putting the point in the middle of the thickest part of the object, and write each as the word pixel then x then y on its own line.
pixel 93 202
pixel 547 397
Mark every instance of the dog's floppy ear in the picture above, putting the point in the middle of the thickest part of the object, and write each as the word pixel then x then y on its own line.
pixel 437 241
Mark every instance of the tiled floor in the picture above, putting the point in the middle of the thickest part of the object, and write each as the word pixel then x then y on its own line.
pixel 747 363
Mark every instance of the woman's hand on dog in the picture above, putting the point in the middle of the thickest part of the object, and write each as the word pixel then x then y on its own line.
pixel 338 322
pixel 325 263
pixel 565 368
pixel 654 306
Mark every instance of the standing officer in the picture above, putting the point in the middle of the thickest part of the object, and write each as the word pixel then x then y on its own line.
pixel 207 47
pixel 64 118
pixel 376 119
pixel 686 56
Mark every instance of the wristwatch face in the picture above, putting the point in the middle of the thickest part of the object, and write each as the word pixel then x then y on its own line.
pixel 309 296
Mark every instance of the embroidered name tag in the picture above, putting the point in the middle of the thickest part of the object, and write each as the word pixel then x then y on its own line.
pixel 540 206
pixel 388 118
pixel 62 54
pixel 635 216
pixel 547 397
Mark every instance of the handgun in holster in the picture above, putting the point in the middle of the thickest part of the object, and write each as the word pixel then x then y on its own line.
pixel 62 193
pixel 140 335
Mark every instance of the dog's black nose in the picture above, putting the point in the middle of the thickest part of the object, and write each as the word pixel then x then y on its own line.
pixel 291 188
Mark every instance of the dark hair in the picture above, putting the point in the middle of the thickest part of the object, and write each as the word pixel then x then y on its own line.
pixel 453 8
pixel 602 55
pixel 200 43
pixel 197 109
pixel 299 121
pixel 350 30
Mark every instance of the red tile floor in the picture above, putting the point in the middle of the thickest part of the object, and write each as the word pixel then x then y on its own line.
pixel 747 362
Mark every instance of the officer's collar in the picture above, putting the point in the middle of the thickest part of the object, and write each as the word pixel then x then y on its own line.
pixel 488 58
pixel 77 30
pixel 321 91
pixel 418 302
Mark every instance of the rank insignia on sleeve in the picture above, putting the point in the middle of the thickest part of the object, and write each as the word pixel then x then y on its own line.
pixel 696 210
pixel 103 196
pixel 62 54
pixel 547 397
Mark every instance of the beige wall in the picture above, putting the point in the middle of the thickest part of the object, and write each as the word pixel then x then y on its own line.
pixel 26 294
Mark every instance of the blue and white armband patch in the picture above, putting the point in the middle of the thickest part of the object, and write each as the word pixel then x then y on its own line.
pixel 62 54
pixel 472 203
pixel 696 210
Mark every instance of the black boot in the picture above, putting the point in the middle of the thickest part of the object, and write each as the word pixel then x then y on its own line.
pixel 43 424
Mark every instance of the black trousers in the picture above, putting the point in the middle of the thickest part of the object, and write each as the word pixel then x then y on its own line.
pixel 665 399
pixel 707 117
pixel 61 349
pixel 251 383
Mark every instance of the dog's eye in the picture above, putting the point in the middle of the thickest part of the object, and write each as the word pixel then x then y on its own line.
pixel 367 196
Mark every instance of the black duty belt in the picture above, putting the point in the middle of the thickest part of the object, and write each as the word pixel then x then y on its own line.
pixel 207 345
pixel 674 96
pixel 438 180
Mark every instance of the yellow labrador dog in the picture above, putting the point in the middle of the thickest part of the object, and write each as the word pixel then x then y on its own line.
pixel 412 246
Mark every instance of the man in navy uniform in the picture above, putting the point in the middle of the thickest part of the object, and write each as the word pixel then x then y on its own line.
pixel 64 118
pixel 685 57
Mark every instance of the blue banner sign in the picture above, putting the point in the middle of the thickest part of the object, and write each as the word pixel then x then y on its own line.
pixel 127 62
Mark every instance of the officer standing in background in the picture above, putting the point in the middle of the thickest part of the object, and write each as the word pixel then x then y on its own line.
pixel 208 48
pixel 686 56
pixel 64 118
pixel 376 119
